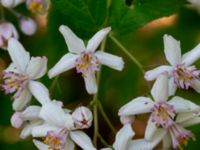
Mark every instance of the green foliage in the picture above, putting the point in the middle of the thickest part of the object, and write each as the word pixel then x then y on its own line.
pixel 85 17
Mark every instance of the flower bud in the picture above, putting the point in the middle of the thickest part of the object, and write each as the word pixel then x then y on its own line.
pixel 37 6
pixel 16 121
pixel 28 26
pixel 127 119
pixel 82 117
pixel 7 31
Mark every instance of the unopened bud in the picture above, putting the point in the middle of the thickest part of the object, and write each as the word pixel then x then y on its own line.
pixel 7 31
pixel 28 26
pixel 82 117
pixel 16 121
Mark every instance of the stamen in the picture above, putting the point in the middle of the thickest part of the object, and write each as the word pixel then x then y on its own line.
pixel 180 136
pixel 185 75
pixel 163 114
pixel 87 63
pixel 56 140
pixel 14 83
pixel 36 7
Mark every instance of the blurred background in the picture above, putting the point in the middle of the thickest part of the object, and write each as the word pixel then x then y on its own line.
pixel 116 88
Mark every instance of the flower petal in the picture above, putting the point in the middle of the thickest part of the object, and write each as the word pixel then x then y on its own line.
pixel 191 56
pixel 138 105
pixel 40 145
pixel 110 60
pixel 22 100
pixel 41 130
pixel 124 135
pixel 27 129
pixel 97 38
pixel 150 130
pixel 172 87
pixel 39 91
pixel 30 113
pixel 75 44
pixel 191 122
pixel 90 84
pixel 160 88
pixel 172 50
pixel 167 142
pixel 182 117
pixel 50 112
pixel 182 105
pixel 69 145
pixel 196 85
pixel 67 62
pixel 82 140
pixel 37 67
pixel 153 74
pixel 142 144
pixel 18 54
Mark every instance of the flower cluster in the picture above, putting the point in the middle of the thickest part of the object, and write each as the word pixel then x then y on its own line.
pixel 54 127
pixel 26 24
pixel 169 114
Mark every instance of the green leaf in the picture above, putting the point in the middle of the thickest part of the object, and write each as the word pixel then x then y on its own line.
pixel 84 17
pixel 124 19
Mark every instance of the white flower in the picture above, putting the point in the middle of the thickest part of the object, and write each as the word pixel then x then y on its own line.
pixel 82 117
pixel 163 112
pixel 20 75
pixel 176 135
pixel 123 141
pixel 84 58
pixel 181 73
pixel 7 31
pixel 27 120
pixel 59 130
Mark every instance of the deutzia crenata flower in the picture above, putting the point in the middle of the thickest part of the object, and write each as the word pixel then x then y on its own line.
pixel 176 135
pixel 163 112
pixel 123 140
pixel 84 58
pixel 59 131
pixel 181 73
pixel 7 31
pixel 26 120
pixel 20 75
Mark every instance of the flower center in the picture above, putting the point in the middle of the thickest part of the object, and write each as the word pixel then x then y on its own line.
pixel 36 7
pixel 180 136
pixel 87 63
pixel 163 114
pixel 56 140
pixel 14 83
pixel 184 76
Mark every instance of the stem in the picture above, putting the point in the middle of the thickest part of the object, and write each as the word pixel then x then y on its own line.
pixel 96 126
pixel 2 13
pixel 127 53
pixel 54 83
pixel 95 102
pixel 106 118
pixel 103 141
